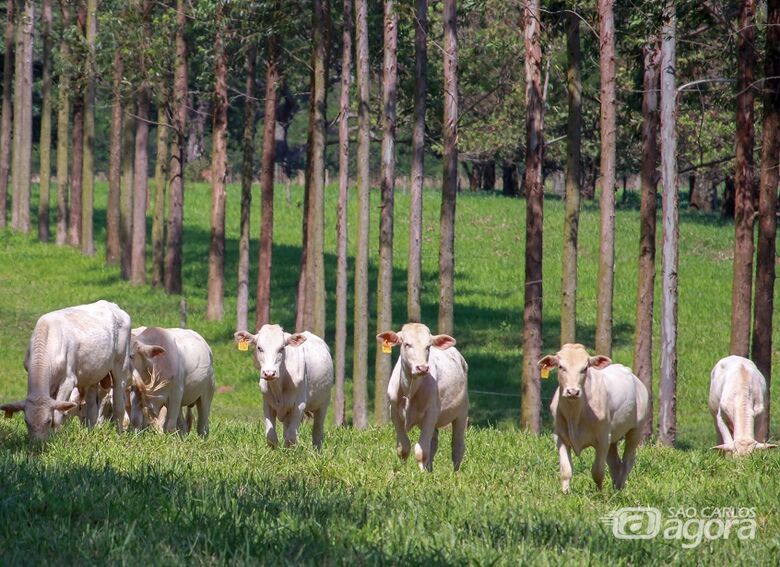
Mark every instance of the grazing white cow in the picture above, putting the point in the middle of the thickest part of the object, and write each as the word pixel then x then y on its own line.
pixel 428 388
pixel 737 403
pixel 71 349
pixel 174 369
pixel 296 376
pixel 596 404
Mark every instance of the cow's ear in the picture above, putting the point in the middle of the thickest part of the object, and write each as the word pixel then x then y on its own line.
pixel 151 351
pixel 599 362
pixel 549 361
pixel 245 336
pixel 389 337
pixel 63 405
pixel 11 408
pixel 296 339
pixel 442 341
pixel 766 446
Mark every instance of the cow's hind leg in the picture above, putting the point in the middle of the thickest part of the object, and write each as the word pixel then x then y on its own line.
pixel 422 450
pixel 318 427
pixel 615 464
pixel 458 441
pixel 204 409
pixel 599 462
pixel 292 423
pixel 434 448
pixel 633 438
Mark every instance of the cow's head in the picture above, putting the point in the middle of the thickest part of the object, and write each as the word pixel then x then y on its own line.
pixel 742 447
pixel 38 414
pixel 269 344
pixel 142 356
pixel 572 362
pixel 415 340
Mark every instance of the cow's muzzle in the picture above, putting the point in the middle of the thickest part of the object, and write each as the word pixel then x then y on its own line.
pixel 572 393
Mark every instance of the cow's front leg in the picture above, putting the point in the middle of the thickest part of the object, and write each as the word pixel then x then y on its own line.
pixel 564 458
pixel 174 409
pixel 600 462
pixel 292 421
pixel 119 382
pixel 64 394
pixel 403 445
pixel 269 416
pixel 723 429
pixel 422 450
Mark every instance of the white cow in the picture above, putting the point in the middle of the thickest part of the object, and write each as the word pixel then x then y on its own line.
pixel 71 349
pixel 596 404
pixel 737 403
pixel 296 376
pixel 174 369
pixel 428 388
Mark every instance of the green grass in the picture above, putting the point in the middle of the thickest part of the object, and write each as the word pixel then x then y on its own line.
pixel 97 496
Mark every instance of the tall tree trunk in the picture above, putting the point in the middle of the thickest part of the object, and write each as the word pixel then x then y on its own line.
pixel 44 148
pixel 342 288
pixel 160 183
pixel 449 189
pixel 265 253
pixel 22 151
pixel 643 342
pixel 384 292
pixel 573 181
pixel 127 197
pixel 88 162
pixel 76 163
pixel 140 187
pixel 360 327
pixel 196 128
pixel 7 109
pixel 173 253
pixel 63 123
pixel 667 415
pixel 113 235
pixel 247 175
pixel 767 210
pixel 216 278
pixel 608 140
pixel 744 201
pixel 532 312
pixel 414 273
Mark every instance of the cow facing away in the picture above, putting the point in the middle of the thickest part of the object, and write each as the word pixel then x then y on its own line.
pixel 73 349
pixel 428 388
pixel 296 376
pixel 737 403
pixel 596 404
pixel 174 369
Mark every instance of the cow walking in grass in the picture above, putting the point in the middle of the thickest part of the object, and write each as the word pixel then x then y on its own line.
pixel 737 403
pixel 174 369
pixel 428 388
pixel 73 349
pixel 596 404
pixel 296 376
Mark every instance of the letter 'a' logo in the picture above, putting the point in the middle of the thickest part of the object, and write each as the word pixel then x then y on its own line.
pixel 634 522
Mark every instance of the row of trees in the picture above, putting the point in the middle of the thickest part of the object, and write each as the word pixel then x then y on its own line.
pixel 174 65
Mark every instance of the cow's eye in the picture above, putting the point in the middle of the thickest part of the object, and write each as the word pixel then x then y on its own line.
pixel 561 367
pixel 407 345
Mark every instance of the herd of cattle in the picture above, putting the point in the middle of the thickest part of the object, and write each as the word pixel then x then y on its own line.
pixel 87 361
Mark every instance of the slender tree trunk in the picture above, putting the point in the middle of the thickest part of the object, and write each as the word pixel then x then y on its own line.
pixel 360 327
pixel 216 278
pixel 44 149
pixel 339 411
pixel 140 187
pixel 127 197
pixel 767 210
pixel 247 175
pixel 414 274
pixel 76 163
pixel 113 234
pixel 7 109
pixel 573 181
pixel 667 415
pixel 22 151
pixel 88 163
pixel 449 190
pixel 173 254
pixel 63 123
pixel 265 254
pixel 384 293
pixel 643 343
pixel 608 141
pixel 744 201
pixel 160 182
pixel 532 312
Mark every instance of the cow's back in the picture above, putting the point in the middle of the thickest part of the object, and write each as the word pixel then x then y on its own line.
pixel 319 371
pixel 197 364
pixel 450 370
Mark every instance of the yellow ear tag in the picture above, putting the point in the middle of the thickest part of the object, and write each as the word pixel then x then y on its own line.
pixel 243 344
pixel 545 372
pixel 387 348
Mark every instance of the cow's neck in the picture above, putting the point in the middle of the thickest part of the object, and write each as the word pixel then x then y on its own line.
pixel 39 382
pixel 276 389
pixel 409 384
pixel 743 410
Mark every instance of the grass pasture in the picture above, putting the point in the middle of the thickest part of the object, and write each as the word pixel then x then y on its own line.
pixel 99 497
